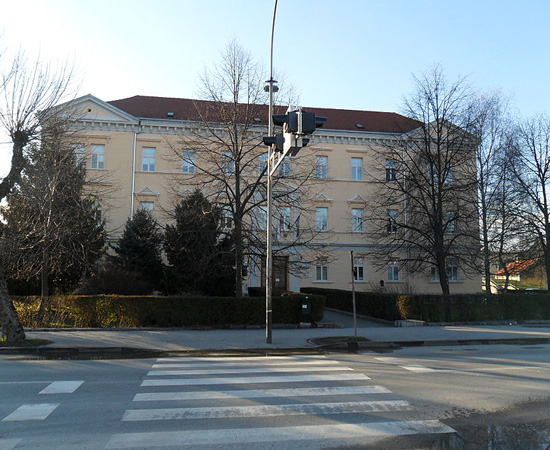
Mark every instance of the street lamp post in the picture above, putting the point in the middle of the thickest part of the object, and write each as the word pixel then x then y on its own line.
pixel 269 238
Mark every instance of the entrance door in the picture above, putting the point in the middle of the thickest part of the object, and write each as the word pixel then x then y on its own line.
pixel 280 274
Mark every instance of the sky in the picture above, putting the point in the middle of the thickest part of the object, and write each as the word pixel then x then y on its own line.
pixel 348 54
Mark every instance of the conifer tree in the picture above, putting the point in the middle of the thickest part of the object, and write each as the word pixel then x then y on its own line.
pixel 200 253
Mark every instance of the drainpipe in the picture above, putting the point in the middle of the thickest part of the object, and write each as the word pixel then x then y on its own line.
pixel 134 151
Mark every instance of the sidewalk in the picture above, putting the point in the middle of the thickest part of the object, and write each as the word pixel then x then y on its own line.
pixel 378 336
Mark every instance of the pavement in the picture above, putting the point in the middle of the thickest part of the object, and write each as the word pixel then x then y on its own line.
pixel 371 335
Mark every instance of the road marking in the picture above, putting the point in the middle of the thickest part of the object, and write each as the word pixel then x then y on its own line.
pixel 250 380
pixel 61 387
pixel 338 432
pixel 263 393
pixel 246 364
pixel 222 412
pixel 9 444
pixel 245 370
pixel 404 364
pixel 256 359
pixel 419 369
pixel 31 412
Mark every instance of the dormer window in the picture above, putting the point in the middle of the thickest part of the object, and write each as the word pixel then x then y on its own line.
pixel 170 114
pixel 359 125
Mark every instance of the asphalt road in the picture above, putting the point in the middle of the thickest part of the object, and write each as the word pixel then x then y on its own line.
pixel 410 398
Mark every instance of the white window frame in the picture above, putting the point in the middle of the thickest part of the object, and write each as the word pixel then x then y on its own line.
pixel 321 271
pixel 321 167
pixel 393 273
pixel 98 157
pixel 188 161
pixel 284 219
pixel 392 221
pixel 262 163
pixel 321 218
pixel 357 169
pixel 228 164
pixel 284 167
pixel 358 271
pixel 148 159
pixel 147 205
pixel 450 218
pixel 391 170
pixel 79 152
pixel 227 218
pixel 357 220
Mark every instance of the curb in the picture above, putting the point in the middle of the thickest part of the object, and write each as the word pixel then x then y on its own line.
pixel 350 347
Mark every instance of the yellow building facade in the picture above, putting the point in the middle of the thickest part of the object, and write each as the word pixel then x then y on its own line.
pixel 131 148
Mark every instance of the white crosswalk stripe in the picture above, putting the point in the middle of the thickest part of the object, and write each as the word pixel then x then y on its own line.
pixel 207 392
pixel 38 411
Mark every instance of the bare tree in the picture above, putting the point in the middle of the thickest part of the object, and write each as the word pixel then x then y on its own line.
pixel 223 158
pixel 532 177
pixel 425 214
pixel 27 92
pixel 42 240
pixel 492 127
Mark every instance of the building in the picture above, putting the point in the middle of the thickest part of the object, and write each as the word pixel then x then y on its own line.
pixel 140 145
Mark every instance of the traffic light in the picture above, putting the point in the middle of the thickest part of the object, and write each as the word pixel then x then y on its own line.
pixel 296 124
pixel 276 142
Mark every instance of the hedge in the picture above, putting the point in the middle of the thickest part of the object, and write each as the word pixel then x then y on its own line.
pixel 430 308
pixel 104 311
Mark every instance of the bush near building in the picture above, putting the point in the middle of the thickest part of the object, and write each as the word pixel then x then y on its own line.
pixel 105 311
pixel 517 306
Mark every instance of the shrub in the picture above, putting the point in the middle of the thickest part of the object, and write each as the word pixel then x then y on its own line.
pixel 147 311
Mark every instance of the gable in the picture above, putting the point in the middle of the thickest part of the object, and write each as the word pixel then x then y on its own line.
pixel 90 107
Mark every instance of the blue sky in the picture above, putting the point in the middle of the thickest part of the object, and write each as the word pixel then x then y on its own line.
pixel 352 54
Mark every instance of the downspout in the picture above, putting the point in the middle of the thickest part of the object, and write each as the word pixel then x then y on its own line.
pixel 134 151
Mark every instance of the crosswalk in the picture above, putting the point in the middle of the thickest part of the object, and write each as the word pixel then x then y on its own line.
pixel 263 402
pixel 223 403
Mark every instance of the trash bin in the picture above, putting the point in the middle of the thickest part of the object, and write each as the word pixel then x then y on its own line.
pixel 306 310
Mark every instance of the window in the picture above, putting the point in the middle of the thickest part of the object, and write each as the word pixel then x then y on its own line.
pixel 227 218
pixel 98 157
pixel 356 168
pixel 391 171
pixel 188 161
pixel 357 220
pixel 284 219
pixel 98 213
pixel 321 219
pixel 148 159
pixel 284 167
pixel 321 271
pixel 433 174
pixel 262 163
pixel 228 164
pixel 393 272
pixel 449 174
pixel 262 218
pixel 321 168
pixel 392 221
pixel 450 225
pixel 147 206
pixel 79 154
pixel 452 271
pixel 358 271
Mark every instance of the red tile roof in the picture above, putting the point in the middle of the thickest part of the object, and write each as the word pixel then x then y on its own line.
pixel 517 266
pixel 337 119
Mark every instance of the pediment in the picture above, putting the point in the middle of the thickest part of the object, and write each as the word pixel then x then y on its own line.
pixel 147 191
pixel 90 107
pixel 321 198
pixel 357 199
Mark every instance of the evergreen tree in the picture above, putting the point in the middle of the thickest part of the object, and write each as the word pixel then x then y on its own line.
pixel 139 249
pixel 52 231
pixel 201 255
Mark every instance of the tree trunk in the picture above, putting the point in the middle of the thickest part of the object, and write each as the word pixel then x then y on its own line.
pixel 12 330
pixel 45 291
